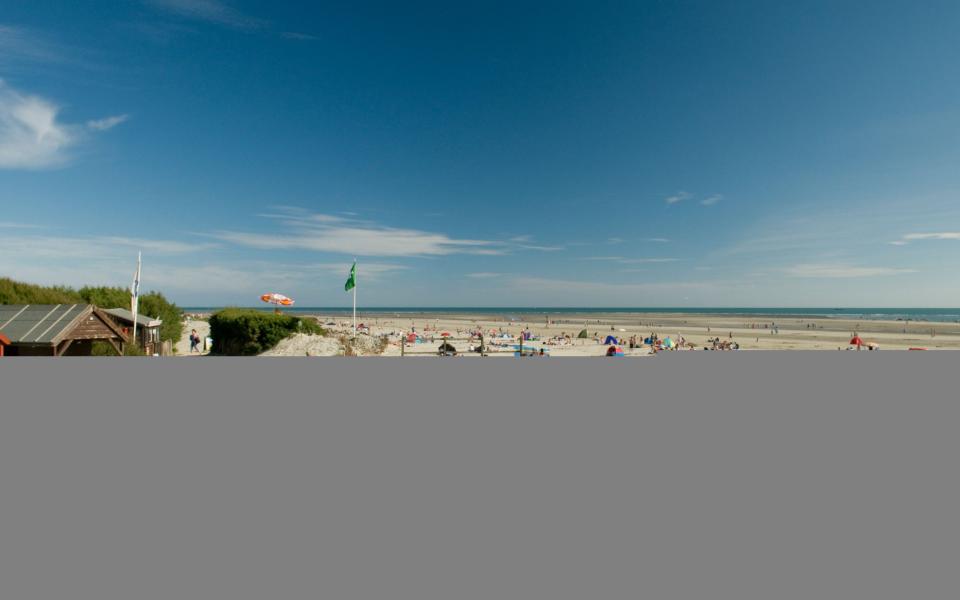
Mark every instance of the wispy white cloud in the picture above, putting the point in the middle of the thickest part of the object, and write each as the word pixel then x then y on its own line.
pixel 484 275
pixel 340 235
pixel 296 35
pixel 359 241
pixel 711 200
pixel 170 265
pixel 678 197
pixel 657 240
pixel 647 261
pixel 615 240
pixel 623 260
pixel 31 137
pixel 31 134
pixel 47 246
pixel 540 248
pixel 17 43
pixel 841 271
pixel 24 49
pixel 22 46
pixel 524 242
pixel 211 11
pixel 606 289
pixel 912 237
pixel 365 270
pixel 12 225
pixel 157 246
pixel 106 123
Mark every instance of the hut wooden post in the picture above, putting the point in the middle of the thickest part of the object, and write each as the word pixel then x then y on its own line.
pixel 403 343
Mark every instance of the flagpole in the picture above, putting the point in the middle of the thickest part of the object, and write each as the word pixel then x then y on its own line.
pixel 136 301
pixel 354 299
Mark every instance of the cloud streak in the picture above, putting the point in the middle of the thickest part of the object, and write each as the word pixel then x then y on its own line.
pixel 678 197
pixel 210 11
pixel 842 271
pixel 107 123
pixel 623 260
pixel 13 225
pixel 340 235
pixel 913 237
pixel 711 200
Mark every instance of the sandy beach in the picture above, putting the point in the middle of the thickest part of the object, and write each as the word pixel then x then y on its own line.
pixel 382 333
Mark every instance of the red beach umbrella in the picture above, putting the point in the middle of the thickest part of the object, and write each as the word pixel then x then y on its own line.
pixel 856 341
pixel 277 299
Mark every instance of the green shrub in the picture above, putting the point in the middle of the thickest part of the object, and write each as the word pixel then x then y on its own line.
pixel 152 304
pixel 15 292
pixel 155 305
pixel 100 348
pixel 247 332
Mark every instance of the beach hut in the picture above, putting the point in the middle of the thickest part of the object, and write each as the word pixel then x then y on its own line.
pixel 58 329
pixel 148 330
pixel 4 342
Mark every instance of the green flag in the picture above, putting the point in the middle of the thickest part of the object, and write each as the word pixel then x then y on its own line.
pixel 352 280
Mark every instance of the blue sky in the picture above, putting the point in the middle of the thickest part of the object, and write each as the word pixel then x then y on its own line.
pixel 661 153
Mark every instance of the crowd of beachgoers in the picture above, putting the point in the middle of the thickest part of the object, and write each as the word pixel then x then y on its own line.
pixel 627 334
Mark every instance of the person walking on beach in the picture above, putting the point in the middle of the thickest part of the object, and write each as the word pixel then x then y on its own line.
pixel 194 341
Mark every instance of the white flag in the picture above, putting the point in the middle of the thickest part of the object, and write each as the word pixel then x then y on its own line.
pixel 135 299
pixel 135 289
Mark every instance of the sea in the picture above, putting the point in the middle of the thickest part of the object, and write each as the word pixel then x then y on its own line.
pixel 947 315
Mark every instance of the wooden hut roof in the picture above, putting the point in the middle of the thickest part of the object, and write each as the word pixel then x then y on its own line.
pixel 47 324
pixel 127 316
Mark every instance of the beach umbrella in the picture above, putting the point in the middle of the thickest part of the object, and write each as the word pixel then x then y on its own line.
pixel 668 343
pixel 856 341
pixel 445 334
pixel 277 299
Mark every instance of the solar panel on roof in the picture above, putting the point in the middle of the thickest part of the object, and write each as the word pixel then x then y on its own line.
pixel 37 323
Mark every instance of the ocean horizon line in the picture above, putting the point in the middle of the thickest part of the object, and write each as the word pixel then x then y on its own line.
pixel 882 313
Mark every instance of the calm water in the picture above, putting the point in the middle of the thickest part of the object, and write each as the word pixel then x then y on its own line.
pixel 891 314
